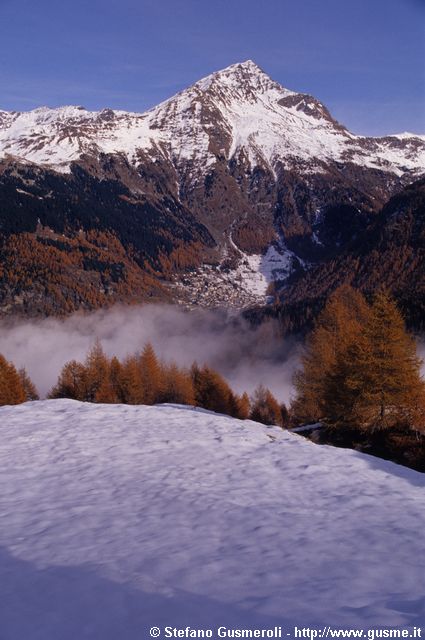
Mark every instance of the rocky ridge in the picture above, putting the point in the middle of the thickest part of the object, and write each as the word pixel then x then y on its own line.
pixel 224 190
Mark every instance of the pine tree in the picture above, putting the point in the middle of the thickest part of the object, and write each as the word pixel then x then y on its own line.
pixel 130 381
pixel 105 394
pixel 338 325
pixel 376 383
pixel 177 385
pixel 151 375
pixel 28 386
pixel 285 416
pixel 244 406
pixel 211 390
pixel 72 382
pixel 11 388
pixel 265 407
pixel 233 405
pixel 97 371
pixel 195 374
pixel 116 375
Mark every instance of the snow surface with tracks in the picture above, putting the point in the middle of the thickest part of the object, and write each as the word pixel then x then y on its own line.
pixel 115 519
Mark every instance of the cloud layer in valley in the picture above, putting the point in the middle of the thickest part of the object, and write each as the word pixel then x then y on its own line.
pixel 246 356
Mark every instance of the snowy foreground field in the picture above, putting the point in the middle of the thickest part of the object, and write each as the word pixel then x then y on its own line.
pixel 117 518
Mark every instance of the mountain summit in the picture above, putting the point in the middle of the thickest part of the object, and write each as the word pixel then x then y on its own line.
pixel 239 110
pixel 222 192
pixel 245 78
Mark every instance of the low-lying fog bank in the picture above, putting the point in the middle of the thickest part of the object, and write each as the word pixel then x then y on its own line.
pixel 246 356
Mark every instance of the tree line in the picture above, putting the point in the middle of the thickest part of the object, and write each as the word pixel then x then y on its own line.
pixel 360 368
pixel 15 385
pixel 144 379
pixel 359 377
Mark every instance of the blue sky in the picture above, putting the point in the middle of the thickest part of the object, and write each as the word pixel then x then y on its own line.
pixel 363 58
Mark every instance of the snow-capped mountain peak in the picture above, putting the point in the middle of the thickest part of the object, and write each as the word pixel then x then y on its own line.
pixel 238 112
pixel 243 78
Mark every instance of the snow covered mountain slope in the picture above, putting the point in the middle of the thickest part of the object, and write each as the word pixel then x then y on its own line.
pixel 239 110
pixel 230 186
pixel 119 518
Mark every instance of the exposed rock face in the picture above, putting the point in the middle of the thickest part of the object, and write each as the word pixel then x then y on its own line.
pixel 236 176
